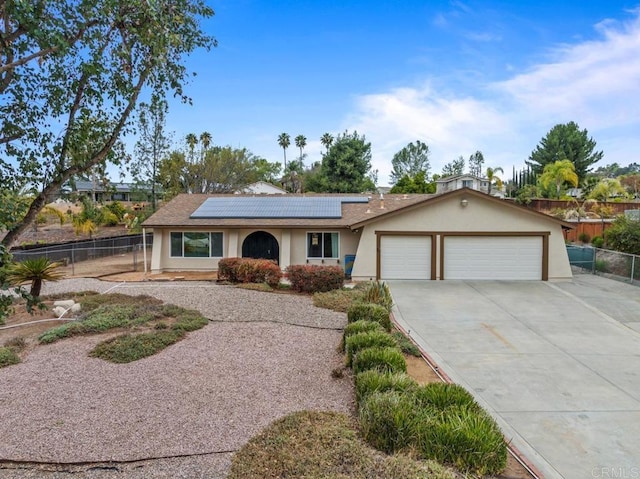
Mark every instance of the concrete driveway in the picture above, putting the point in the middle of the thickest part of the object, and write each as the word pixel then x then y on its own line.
pixel 557 364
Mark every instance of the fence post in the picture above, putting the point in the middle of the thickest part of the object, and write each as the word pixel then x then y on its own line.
pixel 73 260
pixel 135 257
pixel 633 267
pixel 593 262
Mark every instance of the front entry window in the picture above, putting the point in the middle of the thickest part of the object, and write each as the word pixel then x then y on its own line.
pixel 321 245
pixel 196 244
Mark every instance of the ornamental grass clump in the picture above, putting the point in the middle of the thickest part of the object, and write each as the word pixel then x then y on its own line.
pixel 359 327
pixel 360 341
pixel 443 396
pixel 369 312
pixel 378 292
pixel 368 382
pixel 388 359
pixel 387 421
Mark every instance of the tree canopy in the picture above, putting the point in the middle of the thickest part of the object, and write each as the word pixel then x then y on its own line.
pixel 556 174
pixel 71 73
pixel 414 184
pixel 566 142
pixel 456 167
pixel 411 160
pixel 345 167
pixel 476 164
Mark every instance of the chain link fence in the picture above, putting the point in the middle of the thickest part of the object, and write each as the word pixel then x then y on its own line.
pixel 93 258
pixel 612 264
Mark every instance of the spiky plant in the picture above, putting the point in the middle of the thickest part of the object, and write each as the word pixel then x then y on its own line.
pixel 36 271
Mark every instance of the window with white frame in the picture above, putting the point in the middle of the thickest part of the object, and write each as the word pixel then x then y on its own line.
pixel 196 244
pixel 321 245
pixel 467 183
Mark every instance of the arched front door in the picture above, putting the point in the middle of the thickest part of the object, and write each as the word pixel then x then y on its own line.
pixel 261 245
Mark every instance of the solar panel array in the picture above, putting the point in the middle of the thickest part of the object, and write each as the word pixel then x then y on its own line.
pixel 274 207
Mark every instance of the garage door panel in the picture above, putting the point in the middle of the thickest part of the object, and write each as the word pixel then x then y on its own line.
pixel 493 257
pixel 405 257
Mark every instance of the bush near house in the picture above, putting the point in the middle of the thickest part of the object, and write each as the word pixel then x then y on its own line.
pixel 315 278
pixel 248 270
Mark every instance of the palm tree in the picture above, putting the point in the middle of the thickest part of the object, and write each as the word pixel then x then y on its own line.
pixel 559 173
pixel 284 140
pixel 491 176
pixel 327 141
pixel 205 141
pixel 301 142
pixel 192 141
pixel 36 270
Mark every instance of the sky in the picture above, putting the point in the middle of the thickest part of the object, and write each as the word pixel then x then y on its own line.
pixel 461 76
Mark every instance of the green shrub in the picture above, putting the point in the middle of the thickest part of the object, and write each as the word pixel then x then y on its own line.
pixel 406 345
pixel 337 300
pixel 584 237
pixel 361 327
pixel 597 241
pixel 368 382
pixel 189 320
pixel 8 357
pixel 128 348
pixel 378 292
pixel 109 218
pixel 468 439
pixel 369 312
pixel 624 235
pixel 101 319
pixel 360 341
pixel 387 421
pixel 382 359
pixel 442 396
pixel 315 278
pixel 116 208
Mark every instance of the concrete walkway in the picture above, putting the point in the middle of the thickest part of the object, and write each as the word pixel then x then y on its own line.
pixel 557 364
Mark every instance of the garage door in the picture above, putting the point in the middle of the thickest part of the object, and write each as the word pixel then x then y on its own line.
pixel 493 257
pixel 405 257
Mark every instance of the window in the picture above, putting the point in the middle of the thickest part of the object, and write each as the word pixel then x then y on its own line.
pixel 467 183
pixel 195 244
pixel 323 245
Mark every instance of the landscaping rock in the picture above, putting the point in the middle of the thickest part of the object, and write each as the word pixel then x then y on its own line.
pixel 58 311
pixel 66 303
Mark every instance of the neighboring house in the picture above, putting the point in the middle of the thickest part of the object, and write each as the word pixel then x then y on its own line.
pixel 461 234
pixel 97 191
pixel 456 182
pixel 262 188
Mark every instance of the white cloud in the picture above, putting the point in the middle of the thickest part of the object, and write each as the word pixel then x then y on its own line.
pixel 595 83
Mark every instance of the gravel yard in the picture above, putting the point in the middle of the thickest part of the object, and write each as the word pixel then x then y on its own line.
pixel 182 412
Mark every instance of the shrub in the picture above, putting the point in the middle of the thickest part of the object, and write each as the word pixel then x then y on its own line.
pixel 249 270
pixel 378 292
pixel 597 241
pixel 383 359
pixel 8 357
pixel 387 421
pixel 368 382
pixel 470 440
pixel 369 312
pixel 128 348
pixel 360 341
pixel 361 327
pixel 315 278
pixel 116 208
pixel 443 396
pixel 18 344
pixel 624 235
pixel 584 237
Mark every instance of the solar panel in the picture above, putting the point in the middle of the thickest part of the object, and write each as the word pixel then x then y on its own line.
pixel 274 207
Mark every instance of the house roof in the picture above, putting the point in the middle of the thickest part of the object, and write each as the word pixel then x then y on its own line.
pixel 447 179
pixel 179 211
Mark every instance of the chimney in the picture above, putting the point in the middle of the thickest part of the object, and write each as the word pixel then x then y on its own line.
pixel 381 201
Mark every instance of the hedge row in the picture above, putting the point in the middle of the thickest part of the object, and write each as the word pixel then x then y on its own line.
pixel 306 278
pixel 439 421
pixel 248 270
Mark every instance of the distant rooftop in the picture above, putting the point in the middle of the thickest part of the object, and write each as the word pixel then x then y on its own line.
pixel 274 207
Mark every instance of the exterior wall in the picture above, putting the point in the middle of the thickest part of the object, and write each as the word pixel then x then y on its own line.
pixel 449 216
pixel 291 242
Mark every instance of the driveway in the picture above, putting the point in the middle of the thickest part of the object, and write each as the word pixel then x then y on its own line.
pixel 557 364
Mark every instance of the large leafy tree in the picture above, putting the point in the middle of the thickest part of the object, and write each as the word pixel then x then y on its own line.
pixel 566 142
pixel 71 73
pixel 606 189
pixel 557 174
pixel 346 166
pixel 410 160
pixel 414 184
pixel 153 144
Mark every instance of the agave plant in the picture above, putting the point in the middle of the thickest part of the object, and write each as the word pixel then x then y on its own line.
pixel 36 271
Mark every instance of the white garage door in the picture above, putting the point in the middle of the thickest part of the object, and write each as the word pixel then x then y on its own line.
pixel 405 257
pixel 493 257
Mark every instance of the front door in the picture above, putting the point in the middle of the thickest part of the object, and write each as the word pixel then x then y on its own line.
pixel 261 245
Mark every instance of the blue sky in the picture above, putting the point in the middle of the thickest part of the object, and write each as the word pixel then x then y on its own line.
pixel 461 76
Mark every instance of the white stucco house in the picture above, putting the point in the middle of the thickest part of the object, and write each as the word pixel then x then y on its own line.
pixel 456 182
pixel 460 234
pixel 262 188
